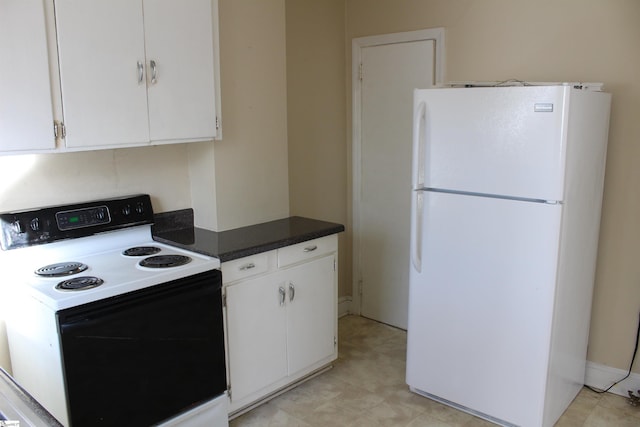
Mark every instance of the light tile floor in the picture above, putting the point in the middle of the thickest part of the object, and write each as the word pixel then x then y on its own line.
pixel 366 388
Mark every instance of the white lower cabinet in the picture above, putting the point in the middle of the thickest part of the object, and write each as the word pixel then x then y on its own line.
pixel 257 336
pixel 281 324
pixel 311 313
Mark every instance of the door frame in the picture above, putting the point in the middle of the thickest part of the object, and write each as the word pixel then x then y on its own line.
pixel 357 44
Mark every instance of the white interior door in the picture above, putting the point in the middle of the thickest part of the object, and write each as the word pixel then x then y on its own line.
pixel 382 170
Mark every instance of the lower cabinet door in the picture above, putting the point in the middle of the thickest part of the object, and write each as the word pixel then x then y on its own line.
pixel 256 325
pixel 280 327
pixel 311 313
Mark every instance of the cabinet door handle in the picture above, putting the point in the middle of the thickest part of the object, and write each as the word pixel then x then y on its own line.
pixel 292 291
pixel 154 72
pixel 283 293
pixel 310 248
pixel 247 266
pixel 140 72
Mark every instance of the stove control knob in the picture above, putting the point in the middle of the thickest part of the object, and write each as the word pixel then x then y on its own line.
pixel 126 211
pixel 140 208
pixel 100 214
pixel 35 224
pixel 17 226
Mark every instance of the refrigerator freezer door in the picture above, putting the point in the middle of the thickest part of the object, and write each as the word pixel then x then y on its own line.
pixel 506 141
pixel 480 310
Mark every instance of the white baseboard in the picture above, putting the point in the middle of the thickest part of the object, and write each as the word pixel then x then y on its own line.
pixel 344 306
pixel 602 376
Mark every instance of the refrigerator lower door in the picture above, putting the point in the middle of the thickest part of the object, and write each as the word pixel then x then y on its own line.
pixel 480 310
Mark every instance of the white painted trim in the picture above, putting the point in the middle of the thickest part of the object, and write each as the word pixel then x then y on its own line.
pixel 435 34
pixel 216 66
pixel 344 306
pixel 601 376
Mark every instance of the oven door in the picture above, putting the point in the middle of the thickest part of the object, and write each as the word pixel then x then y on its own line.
pixel 145 356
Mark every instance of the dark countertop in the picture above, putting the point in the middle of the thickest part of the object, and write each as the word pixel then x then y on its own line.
pixel 176 228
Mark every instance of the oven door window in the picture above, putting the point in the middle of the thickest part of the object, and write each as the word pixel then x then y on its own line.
pixel 143 357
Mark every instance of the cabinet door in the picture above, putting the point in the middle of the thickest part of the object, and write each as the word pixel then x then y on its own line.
pixel 256 334
pixel 179 48
pixel 101 55
pixel 311 313
pixel 26 118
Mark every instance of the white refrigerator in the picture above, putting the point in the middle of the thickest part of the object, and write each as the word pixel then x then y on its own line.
pixel 506 199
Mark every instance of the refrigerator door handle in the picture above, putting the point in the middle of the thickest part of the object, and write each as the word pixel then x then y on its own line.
pixel 419 142
pixel 417 220
pixel 417 202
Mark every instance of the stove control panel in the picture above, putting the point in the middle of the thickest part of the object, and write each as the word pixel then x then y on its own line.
pixel 79 218
pixel 49 224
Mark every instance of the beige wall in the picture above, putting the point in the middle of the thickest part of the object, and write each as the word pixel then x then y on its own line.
pixel 46 179
pixel 243 179
pixel 251 166
pixel 548 40
pixel 316 113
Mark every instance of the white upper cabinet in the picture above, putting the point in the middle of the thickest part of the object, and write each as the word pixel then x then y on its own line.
pixel 179 41
pixel 102 64
pixel 26 115
pixel 136 72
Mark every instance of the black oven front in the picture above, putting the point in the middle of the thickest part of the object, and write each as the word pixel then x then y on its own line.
pixel 145 356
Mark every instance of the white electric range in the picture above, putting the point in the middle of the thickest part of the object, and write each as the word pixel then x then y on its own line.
pixel 107 326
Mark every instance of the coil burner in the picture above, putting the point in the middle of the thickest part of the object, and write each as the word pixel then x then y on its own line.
pixel 79 283
pixel 165 261
pixel 61 269
pixel 141 251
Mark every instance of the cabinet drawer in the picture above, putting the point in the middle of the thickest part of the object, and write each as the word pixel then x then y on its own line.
pixel 248 266
pixel 306 250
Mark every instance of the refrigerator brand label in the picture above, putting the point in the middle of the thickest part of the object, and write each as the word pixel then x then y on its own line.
pixel 543 107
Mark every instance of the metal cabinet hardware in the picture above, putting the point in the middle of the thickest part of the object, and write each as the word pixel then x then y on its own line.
pixel 154 73
pixel 292 291
pixel 140 72
pixel 310 248
pixel 283 293
pixel 247 266
pixel 59 130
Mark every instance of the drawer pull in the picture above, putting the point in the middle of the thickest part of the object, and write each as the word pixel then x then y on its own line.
pixel 310 248
pixel 283 294
pixel 247 266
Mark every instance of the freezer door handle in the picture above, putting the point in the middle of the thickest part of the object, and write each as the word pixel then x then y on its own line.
pixel 417 213
pixel 419 142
